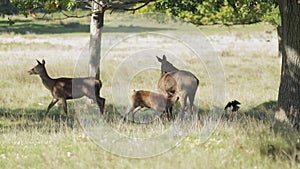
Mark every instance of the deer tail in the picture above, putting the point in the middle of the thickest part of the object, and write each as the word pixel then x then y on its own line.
pixel 197 80
pixel 98 73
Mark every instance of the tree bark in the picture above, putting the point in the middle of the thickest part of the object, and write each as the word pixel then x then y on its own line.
pixel 289 90
pixel 97 20
pixel 279 34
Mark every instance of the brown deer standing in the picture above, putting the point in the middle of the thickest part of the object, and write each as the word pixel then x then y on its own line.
pixel 69 88
pixel 155 101
pixel 178 82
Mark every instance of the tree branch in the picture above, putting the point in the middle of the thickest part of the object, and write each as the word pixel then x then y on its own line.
pixel 139 7
pixel 100 4
pixel 66 16
pixel 86 2
pixel 75 16
pixel 123 5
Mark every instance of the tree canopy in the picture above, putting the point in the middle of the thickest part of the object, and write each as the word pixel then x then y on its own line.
pixel 46 6
pixel 198 12
pixel 201 12
pixel 50 6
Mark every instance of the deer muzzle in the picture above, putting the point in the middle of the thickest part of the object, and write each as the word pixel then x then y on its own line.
pixel 31 72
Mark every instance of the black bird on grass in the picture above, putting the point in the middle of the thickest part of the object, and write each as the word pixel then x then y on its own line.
pixel 234 104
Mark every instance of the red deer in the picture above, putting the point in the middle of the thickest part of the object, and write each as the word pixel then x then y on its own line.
pixel 69 88
pixel 154 101
pixel 180 82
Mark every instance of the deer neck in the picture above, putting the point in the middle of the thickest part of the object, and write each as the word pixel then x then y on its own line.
pixel 47 80
pixel 170 68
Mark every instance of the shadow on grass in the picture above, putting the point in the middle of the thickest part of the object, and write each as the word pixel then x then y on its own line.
pixel 263 112
pixel 286 145
pixel 30 118
pixel 34 118
pixel 42 27
pixel 6 22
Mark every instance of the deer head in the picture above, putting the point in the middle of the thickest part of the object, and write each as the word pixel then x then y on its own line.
pixel 166 66
pixel 38 69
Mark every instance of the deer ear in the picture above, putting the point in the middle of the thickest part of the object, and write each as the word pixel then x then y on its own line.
pixel 38 62
pixel 159 59
pixel 164 57
pixel 43 62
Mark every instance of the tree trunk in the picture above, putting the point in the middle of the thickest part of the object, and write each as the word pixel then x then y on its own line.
pixel 289 90
pixel 96 26
pixel 279 35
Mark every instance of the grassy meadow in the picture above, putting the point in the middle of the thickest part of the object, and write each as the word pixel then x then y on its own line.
pixel 257 136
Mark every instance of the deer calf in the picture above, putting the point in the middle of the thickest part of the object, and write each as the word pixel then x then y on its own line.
pixel 69 88
pixel 155 101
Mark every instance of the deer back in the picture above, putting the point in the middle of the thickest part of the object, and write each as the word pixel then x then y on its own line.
pixel 167 84
pixel 72 88
pixel 178 81
pixel 88 86
pixel 149 99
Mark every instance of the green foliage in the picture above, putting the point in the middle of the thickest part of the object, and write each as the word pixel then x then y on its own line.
pixel 202 12
pixel 47 6
pixel 272 16
pixel 6 8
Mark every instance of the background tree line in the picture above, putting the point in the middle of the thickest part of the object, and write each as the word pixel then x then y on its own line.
pixel 199 12
pixel 203 12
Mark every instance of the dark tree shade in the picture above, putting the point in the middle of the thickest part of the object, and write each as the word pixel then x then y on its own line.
pixel 289 90
pixel 6 8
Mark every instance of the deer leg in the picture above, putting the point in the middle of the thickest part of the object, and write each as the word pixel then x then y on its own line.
pixel 191 99
pixel 101 103
pixel 165 114
pixel 53 102
pixel 169 113
pixel 130 109
pixel 99 100
pixel 182 101
pixel 65 106
pixel 133 110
